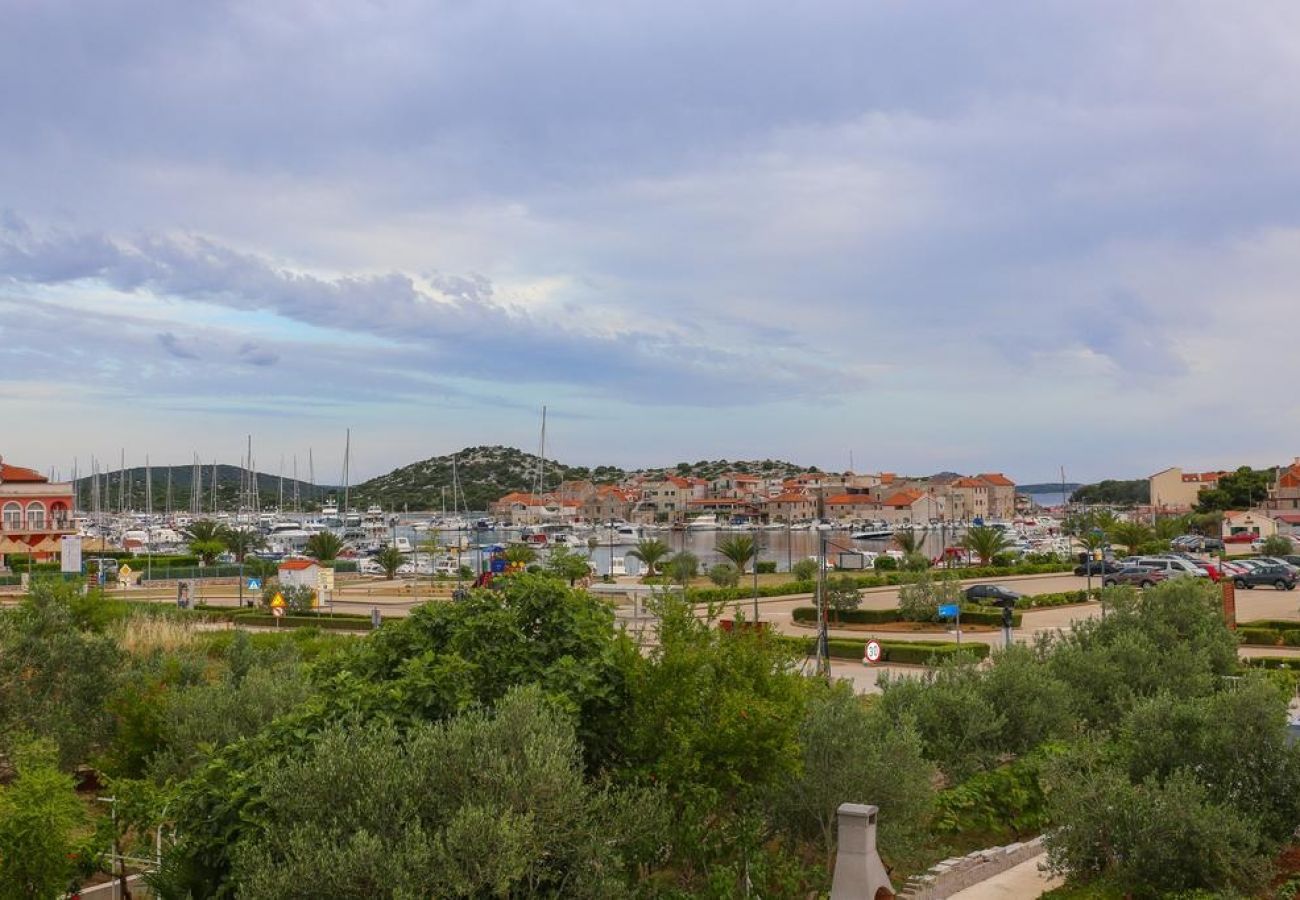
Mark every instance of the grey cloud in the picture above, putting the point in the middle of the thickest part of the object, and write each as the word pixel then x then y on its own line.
pixel 174 347
pixel 463 331
pixel 257 356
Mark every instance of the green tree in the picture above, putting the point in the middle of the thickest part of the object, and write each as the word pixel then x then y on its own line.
pixel 739 549
pixel 842 595
pixel 1241 489
pixel 921 596
pixel 650 551
pixel 1131 535
pixel 324 546
pixel 55 678
pixel 373 812
pixel 297 597
pixel 682 567
pixel 390 559
pixel 40 818
pixel 804 569
pixel 564 563
pixel 1152 838
pixel 1119 493
pixel 985 542
pixel 853 754
pixel 241 541
pixel 1277 545
pixel 208 551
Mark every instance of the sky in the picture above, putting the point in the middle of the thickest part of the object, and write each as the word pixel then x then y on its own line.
pixel 964 235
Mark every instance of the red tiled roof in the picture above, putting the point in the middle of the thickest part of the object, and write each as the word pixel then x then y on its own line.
pixel 903 498
pixel 997 479
pixel 297 565
pixel 1289 518
pixel 1197 477
pixel 18 473
pixel 790 497
pixel 972 482
pixel 850 499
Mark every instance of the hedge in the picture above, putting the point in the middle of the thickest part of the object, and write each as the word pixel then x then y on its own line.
pixel 1272 662
pixel 1270 633
pixel 918 653
pixel 971 616
pixel 888 579
pixel 298 621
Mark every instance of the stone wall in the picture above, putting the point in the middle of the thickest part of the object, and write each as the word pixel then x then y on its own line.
pixel 952 875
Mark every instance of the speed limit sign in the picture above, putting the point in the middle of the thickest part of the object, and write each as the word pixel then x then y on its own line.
pixel 871 654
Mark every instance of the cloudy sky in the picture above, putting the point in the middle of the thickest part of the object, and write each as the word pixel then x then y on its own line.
pixel 939 235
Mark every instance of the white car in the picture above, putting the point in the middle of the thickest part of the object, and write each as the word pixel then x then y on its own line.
pixel 368 566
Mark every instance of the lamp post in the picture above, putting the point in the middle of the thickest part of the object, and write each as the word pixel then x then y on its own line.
pixel 756 571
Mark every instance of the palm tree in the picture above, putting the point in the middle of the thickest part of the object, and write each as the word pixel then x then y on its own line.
pixel 910 540
pixel 241 541
pixel 520 554
pixel 650 551
pixel 740 549
pixel 985 542
pixel 1130 535
pixel 324 546
pixel 390 560
pixel 206 539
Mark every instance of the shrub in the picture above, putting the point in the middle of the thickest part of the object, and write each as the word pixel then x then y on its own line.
pixel 1260 636
pixel 919 600
pixel 724 575
pixel 804 570
pixel 767 567
pixel 885 564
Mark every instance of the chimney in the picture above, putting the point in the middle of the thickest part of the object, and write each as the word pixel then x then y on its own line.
pixel 859 872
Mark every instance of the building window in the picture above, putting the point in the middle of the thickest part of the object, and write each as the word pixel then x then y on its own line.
pixel 35 516
pixel 13 517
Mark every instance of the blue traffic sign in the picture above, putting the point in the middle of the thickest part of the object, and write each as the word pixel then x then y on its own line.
pixel 254 584
pixel 949 611
pixel 498 565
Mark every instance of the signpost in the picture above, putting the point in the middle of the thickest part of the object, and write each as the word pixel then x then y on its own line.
pixel 871 653
pixel 277 607
pixel 952 611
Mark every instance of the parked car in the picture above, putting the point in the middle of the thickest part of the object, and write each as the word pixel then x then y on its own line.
pixel 1142 576
pixel 1174 566
pixel 1241 537
pixel 1197 542
pixel 1098 567
pixel 1211 568
pixel 991 593
pixel 1293 559
pixel 1281 577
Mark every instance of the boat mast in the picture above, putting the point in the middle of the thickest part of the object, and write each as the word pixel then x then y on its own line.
pixel 148 486
pixel 347 455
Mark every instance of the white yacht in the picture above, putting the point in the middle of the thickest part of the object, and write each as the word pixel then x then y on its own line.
pixel 703 522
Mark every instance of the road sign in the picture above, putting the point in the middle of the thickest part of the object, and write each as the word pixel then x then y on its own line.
pixel 949 611
pixel 277 602
pixel 277 611
pixel 871 653
pixel 124 572
pixel 254 584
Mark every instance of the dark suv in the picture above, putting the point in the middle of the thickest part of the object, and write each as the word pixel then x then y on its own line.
pixel 991 594
pixel 1098 567
pixel 1281 577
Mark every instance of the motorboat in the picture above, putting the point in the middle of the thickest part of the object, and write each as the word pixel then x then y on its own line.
pixel 873 534
pixel 704 522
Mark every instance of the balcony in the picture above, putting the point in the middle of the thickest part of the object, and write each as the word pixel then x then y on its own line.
pixel 12 528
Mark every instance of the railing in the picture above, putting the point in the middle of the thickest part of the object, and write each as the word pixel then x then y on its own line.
pixel 49 526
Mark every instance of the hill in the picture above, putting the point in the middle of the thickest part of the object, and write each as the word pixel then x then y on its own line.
pixel 488 473
pixel 229 479
pixel 1049 487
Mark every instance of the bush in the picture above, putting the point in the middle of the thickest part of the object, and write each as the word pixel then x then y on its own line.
pixel 885 564
pixel 724 575
pixel 766 567
pixel 807 615
pixel 919 600
pixel 804 570
pixel 1266 637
